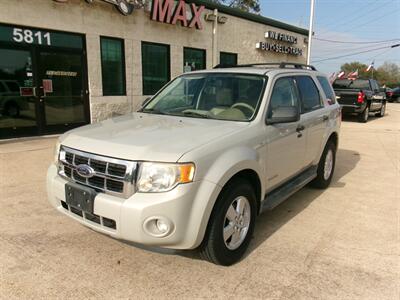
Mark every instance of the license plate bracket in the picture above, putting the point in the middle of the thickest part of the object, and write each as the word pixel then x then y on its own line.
pixel 80 197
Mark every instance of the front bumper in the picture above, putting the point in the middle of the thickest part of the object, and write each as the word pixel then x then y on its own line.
pixel 187 207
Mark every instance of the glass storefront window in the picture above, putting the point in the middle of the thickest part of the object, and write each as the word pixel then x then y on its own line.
pixel 113 66
pixel 17 102
pixel 228 59
pixel 155 67
pixel 194 59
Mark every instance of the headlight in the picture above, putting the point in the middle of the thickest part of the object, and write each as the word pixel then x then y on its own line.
pixel 163 177
pixel 56 151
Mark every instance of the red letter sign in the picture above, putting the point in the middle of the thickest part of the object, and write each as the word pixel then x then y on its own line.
pixel 180 14
pixel 196 16
pixel 161 11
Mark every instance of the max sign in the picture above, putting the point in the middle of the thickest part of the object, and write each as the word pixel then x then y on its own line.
pixel 171 12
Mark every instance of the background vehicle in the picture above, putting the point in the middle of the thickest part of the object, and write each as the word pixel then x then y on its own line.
pixel 11 102
pixel 360 96
pixel 394 95
pixel 205 156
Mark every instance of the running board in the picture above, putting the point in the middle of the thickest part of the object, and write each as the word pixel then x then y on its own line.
pixel 280 194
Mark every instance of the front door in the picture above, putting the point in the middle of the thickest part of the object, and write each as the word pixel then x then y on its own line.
pixel 61 90
pixel 43 82
pixel 286 143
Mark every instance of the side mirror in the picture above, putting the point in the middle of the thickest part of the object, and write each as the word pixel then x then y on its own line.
pixel 147 100
pixel 284 114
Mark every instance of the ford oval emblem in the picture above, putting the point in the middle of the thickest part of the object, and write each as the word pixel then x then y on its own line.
pixel 85 171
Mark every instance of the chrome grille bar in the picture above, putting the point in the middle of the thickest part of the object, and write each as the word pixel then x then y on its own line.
pixel 126 171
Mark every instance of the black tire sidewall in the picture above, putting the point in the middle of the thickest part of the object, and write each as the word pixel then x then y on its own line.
pixel 320 181
pixel 222 254
pixel 363 117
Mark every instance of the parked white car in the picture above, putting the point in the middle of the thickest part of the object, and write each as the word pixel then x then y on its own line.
pixel 202 159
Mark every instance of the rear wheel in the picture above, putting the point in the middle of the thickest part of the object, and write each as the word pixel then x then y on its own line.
pixel 231 224
pixel 382 112
pixel 363 117
pixel 326 167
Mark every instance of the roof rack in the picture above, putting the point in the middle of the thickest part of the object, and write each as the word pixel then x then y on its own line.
pixel 281 65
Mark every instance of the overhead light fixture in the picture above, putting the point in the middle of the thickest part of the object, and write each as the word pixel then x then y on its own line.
pixel 222 19
pixel 210 17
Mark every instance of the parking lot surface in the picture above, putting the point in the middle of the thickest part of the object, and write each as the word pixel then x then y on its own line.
pixel 340 243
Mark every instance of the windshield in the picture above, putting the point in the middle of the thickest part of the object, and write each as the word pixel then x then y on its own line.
pixel 220 96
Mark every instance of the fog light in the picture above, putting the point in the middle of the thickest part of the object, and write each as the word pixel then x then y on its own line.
pixel 158 226
pixel 162 226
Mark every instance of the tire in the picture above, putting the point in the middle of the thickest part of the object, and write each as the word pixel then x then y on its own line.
pixel 12 110
pixel 227 251
pixel 326 167
pixel 363 117
pixel 382 112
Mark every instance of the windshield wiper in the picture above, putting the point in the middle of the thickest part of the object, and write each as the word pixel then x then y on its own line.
pixel 197 114
pixel 153 111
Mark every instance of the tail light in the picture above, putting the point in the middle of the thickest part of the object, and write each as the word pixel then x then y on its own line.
pixel 390 94
pixel 361 97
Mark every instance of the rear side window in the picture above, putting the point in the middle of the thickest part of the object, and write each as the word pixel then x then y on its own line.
pixel 326 86
pixel 309 95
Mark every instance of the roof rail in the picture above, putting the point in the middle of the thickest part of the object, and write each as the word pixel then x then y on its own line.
pixel 281 65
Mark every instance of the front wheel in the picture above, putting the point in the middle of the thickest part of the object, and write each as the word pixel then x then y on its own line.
pixel 326 166
pixel 231 224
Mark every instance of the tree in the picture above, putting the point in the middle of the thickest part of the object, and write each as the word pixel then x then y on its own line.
pixel 252 6
pixel 354 66
pixel 389 74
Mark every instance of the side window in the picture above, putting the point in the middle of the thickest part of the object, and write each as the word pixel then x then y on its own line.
pixel 284 93
pixel 326 86
pixel 309 95
pixel 374 85
pixel 2 88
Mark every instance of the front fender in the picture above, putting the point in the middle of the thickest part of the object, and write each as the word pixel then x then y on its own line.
pixel 219 171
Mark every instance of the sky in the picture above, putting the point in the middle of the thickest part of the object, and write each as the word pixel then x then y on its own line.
pixel 361 21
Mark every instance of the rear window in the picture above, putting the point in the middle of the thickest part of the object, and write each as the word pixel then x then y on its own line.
pixel 310 99
pixel 351 84
pixel 326 86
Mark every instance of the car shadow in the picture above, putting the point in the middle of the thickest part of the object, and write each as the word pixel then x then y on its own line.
pixel 354 118
pixel 270 221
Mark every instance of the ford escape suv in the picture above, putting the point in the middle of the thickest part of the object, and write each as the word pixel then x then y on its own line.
pixel 201 159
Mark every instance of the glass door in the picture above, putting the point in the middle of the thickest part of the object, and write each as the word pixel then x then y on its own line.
pixel 62 90
pixel 18 113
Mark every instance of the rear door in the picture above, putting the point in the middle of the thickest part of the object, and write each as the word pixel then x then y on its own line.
pixel 314 116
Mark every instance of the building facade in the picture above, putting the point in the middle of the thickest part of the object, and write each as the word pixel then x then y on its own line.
pixel 67 63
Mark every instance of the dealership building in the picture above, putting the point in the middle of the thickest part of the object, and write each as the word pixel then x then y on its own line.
pixel 67 63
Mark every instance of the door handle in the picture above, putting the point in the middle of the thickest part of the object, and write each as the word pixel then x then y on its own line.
pixel 325 118
pixel 300 128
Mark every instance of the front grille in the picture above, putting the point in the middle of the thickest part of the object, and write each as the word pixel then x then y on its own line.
pixel 110 175
pixel 91 217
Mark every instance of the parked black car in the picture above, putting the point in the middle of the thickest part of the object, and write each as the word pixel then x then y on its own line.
pixel 360 97
pixel 394 95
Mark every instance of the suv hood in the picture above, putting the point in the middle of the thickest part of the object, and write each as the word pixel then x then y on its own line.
pixel 142 136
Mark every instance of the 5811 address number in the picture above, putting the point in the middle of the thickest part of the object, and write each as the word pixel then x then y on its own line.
pixel 30 37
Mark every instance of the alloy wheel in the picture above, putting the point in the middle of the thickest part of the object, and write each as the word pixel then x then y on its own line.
pixel 236 222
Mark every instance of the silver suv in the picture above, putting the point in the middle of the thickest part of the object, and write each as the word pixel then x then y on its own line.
pixel 202 159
